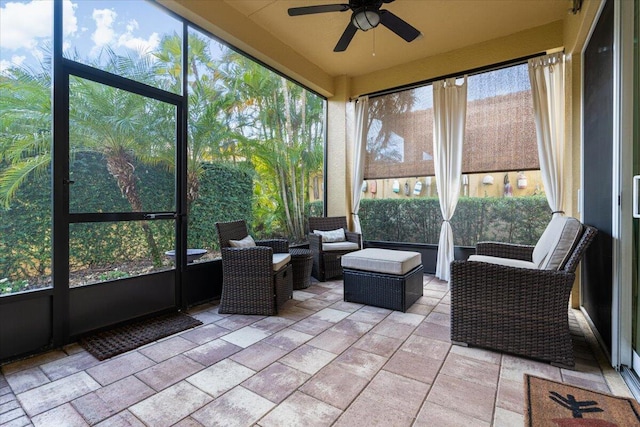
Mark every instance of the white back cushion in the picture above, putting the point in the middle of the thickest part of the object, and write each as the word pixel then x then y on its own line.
pixel 247 242
pixel 332 235
pixel 556 243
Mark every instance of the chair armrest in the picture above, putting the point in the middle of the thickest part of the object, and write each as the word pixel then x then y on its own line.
pixel 315 242
pixel 505 250
pixel 279 246
pixel 258 257
pixel 505 287
pixel 354 237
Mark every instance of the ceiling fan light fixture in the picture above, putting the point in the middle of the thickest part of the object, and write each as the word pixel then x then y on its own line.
pixel 364 19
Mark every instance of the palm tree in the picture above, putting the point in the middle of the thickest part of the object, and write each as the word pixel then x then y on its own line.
pixel 281 123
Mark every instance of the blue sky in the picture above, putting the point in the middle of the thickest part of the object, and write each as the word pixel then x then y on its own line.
pixel 89 25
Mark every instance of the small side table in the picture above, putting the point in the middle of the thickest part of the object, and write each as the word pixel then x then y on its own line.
pixel 301 263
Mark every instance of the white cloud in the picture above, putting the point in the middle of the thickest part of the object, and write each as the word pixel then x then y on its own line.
pixel 24 25
pixel 139 44
pixel 104 33
pixel 16 60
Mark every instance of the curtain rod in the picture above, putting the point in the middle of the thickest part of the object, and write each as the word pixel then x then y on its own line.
pixel 469 72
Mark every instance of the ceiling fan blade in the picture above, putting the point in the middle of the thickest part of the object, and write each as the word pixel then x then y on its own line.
pixel 308 10
pixel 398 26
pixel 344 41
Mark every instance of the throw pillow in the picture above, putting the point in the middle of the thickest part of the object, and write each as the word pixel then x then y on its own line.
pixel 331 236
pixel 247 242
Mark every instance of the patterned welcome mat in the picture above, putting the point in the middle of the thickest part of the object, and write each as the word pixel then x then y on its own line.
pixel 550 403
pixel 112 342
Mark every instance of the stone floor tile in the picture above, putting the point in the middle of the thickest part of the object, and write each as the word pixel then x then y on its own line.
pixel 330 315
pixel 308 359
pixel 272 324
pixel 439 318
pixel 239 407
pixel 206 316
pixel 188 422
pixel 349 307
pixel 119 367
pixel 112 399
pixel 26 379
pixel 369 412
pixel 313 304
pixel 56 393
pixel 237 321
pixel 204 334
pixel 258 356
pixel 212 352
pixel 295 313
pixel 332 341
pixel 597 385
pixel 22 421
pixel 303 295
pixel 349 326
pixel 504 418
pixel 288 339
pixel 433 331
pixel 33 361
pixel 474 370
pixel 443 308
pixel 426 347
pixel 370 314
pixel 122 419
pixel 64 415
pixel 169 372
pixel 393 329
pixel 410 365
pixel 166 349
pixel 378 344
pixel 398 392
pixel 477 353
pixel 510 395
pixel 436 415
pixel 331 296
pixel 244 337
pixel 513 368
pixel 13 416
pixel 221 377
pixel 335 386
pixel 300 409
pixel 420 309
pixel 69 365
pixel 170 405
pixel 463 396
pixel 312 325
pixel 276 382
pixel 360 362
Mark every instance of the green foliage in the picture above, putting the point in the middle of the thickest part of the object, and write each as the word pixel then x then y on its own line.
pixel 418 220
pixel 226 192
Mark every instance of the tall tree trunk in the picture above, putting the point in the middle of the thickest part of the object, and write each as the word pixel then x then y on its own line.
pixel 121 167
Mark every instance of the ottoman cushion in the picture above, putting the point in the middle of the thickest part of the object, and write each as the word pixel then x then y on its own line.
pixel 382 261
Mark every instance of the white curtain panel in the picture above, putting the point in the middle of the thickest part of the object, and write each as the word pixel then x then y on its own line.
pixel 546 74
pixel 449 115
pixel 359 152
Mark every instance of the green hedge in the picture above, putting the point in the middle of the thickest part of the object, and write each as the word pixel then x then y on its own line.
pixel 418 220
pixel 226 194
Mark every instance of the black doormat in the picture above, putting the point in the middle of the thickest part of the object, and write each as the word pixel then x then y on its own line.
pixel 112 342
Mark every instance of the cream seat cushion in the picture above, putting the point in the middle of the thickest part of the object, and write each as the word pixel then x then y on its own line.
pixel 280 260
pixel 382 261
pixel 340 246
pixel 552 250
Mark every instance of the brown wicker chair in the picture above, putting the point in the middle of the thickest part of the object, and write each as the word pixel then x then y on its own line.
pixel 326 260
pixel 515 310
pixel 250 285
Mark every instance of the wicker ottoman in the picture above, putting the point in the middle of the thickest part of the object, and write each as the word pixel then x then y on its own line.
pixel 302 262
pixel 383 278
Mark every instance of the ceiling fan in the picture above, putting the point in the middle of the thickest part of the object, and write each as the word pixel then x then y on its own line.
pixel 366 15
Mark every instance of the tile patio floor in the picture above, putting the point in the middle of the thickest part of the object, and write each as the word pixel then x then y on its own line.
pixel 320 362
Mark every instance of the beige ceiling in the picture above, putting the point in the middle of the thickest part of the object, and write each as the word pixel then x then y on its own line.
pixel 446 25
